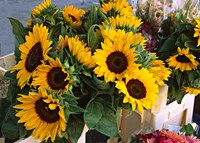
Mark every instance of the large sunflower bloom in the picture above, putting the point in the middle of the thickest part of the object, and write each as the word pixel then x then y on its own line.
pixel 33 52
pixel 53 77
pixel 140 89
pixel 42 114
pixel 73 15
pixel 116 59
pixel 38 9
pixel 81 52
pixel 159 71
pixel 183 60
pixel 197 30
pixel 192 90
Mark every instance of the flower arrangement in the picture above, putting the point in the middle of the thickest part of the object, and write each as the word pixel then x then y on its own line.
pixel 173 36
pixel 76 67
pixel 186 135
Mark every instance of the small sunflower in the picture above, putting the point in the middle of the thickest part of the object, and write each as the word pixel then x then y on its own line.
pixel 73 15
pixel 183 60
pixel 63 42
pixel 140 89
pixel 192 90
pixel 42 114
pixel 197 30
pixel 53 77
pixel 117 8
pixel 38 9
pixel 159 71
pixel 122 22
pixel 81 52
pixel 33 52
pixel 116 59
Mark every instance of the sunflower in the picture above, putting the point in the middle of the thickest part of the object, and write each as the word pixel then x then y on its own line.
pixel 42 114
pixel 122 22
pixel 117 8
pixel 183 60
pixel 116 59
pixel 197 30
pixel 63 42
pixel 192 90
pixel 38 9
pixel 159 71
pixel 140 89
pixel 81 52
pixel 33 52
pixel 73 15
pixel 53 77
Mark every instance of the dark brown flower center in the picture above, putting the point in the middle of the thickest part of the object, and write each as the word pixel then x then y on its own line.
pixel 56 78
pixel 34 57
pixel 117 62
pixel 45 113
pixel 182 59
pixel 73 18
pixel 136 89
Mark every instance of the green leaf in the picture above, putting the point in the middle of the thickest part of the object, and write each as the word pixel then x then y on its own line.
pixel 19 31
pixel 4 105
pixel 102 117
pixel 192 45
pixel 93 113
pixel 75 109
pixel 101 84
pixel 93 40
pixel 10 129
pixel 75 126
pixel 188 130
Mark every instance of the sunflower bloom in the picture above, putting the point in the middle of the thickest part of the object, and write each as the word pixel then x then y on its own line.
pixel 81 52
pixel 73 15
pixel 33 52
pixel 116 59
pixel 183 60
pixel 140 89
pixel 197 30
pixel 38 9
pixel 192 90
pixel 159 71
pixel 122 22
pixel 117 8
pixel 63 42
pixel 42 114
pixel 53 77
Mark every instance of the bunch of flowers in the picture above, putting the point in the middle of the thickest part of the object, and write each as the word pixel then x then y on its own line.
pixel 187 134
pixel 76 67
pixel 178 46
pixel 172 33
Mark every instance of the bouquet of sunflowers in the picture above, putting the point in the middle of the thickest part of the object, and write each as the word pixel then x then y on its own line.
pixel 78 67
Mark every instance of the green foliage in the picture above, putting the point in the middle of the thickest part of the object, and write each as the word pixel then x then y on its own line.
pixel 188 130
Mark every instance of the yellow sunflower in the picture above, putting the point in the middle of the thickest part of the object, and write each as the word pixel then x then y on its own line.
pixel 197 30
pixel 159 71
pixel 192 90
pixel 63 42
pixel 38 9
pixel 73 15
pixel 117 8
pixel 33 52
pixel 140 89
pixel 122 22
pixel 81 52
pixel 184 61
pixel 42 114
pixel 116 59
pixel 53 77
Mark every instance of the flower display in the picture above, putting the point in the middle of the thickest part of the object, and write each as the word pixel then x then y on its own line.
pixel 77 67
pixel 172 33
